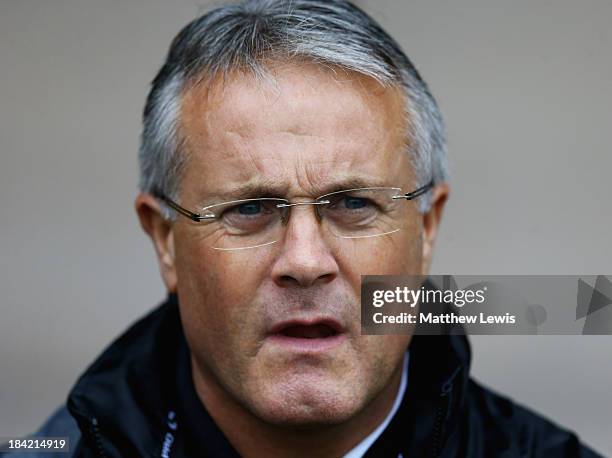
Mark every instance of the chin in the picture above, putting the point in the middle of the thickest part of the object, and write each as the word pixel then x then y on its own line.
pixel 307 403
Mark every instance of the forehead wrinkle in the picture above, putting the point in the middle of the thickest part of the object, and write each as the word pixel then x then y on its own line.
pixel 248 91
pixel 250 107
pixel 356 94
pixel 316 181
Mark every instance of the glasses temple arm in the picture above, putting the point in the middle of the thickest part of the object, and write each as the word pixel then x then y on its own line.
pixel 418 192
pixel 183 211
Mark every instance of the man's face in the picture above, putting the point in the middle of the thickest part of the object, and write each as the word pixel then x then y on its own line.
pixel 278 327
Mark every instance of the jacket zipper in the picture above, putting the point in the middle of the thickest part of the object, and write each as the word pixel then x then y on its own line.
pixel 442 415
pixel 436 442
pixel 95 432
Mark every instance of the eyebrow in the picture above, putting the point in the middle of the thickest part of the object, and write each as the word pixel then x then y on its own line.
pixel 277 188
pixel 264 188
pixel 352 182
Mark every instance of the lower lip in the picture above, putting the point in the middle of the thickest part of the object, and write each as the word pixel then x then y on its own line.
pixel 301 345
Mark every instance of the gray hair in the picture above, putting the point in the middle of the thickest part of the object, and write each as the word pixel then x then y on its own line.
pixel 243 37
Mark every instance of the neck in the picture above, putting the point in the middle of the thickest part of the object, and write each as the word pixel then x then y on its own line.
pixel 251 436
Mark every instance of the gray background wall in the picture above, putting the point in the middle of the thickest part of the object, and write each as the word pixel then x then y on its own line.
pixel 526 89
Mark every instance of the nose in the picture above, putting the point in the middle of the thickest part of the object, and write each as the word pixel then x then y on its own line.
pixel 305 258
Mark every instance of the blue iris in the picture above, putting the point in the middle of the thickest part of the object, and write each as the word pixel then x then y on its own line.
pixel 354 203
pixel 250 208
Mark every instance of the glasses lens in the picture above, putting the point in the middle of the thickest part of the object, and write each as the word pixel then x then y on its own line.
pixel 247 223
pixel 362 213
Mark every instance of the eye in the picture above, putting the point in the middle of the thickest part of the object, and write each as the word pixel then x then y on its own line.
pixel 355 203
pixel 248 208
pixel 250 216
pixel 247 211
pixel 351 203
pixel 356 207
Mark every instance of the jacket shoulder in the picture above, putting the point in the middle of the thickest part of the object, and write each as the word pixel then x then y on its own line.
pixel 521 428
pixel 59 424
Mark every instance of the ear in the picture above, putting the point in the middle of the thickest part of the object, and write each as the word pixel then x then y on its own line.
pixel 431 222
pixel 160 231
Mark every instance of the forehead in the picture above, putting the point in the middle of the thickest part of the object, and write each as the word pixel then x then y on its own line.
pixel 303 128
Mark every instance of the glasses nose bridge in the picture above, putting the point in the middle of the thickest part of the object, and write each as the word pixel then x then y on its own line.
pixel 287 206
pixel 294 204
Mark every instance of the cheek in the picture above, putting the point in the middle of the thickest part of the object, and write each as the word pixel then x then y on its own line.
pixel 216 290
pixel 400 254
pixel 379 357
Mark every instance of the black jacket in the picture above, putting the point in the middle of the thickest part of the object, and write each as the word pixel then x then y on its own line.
pixel 137 399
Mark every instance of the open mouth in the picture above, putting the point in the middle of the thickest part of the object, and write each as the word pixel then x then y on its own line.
pixel 308 336
pixel 314 331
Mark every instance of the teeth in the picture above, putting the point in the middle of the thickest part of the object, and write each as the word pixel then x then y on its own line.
pixel 317 331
